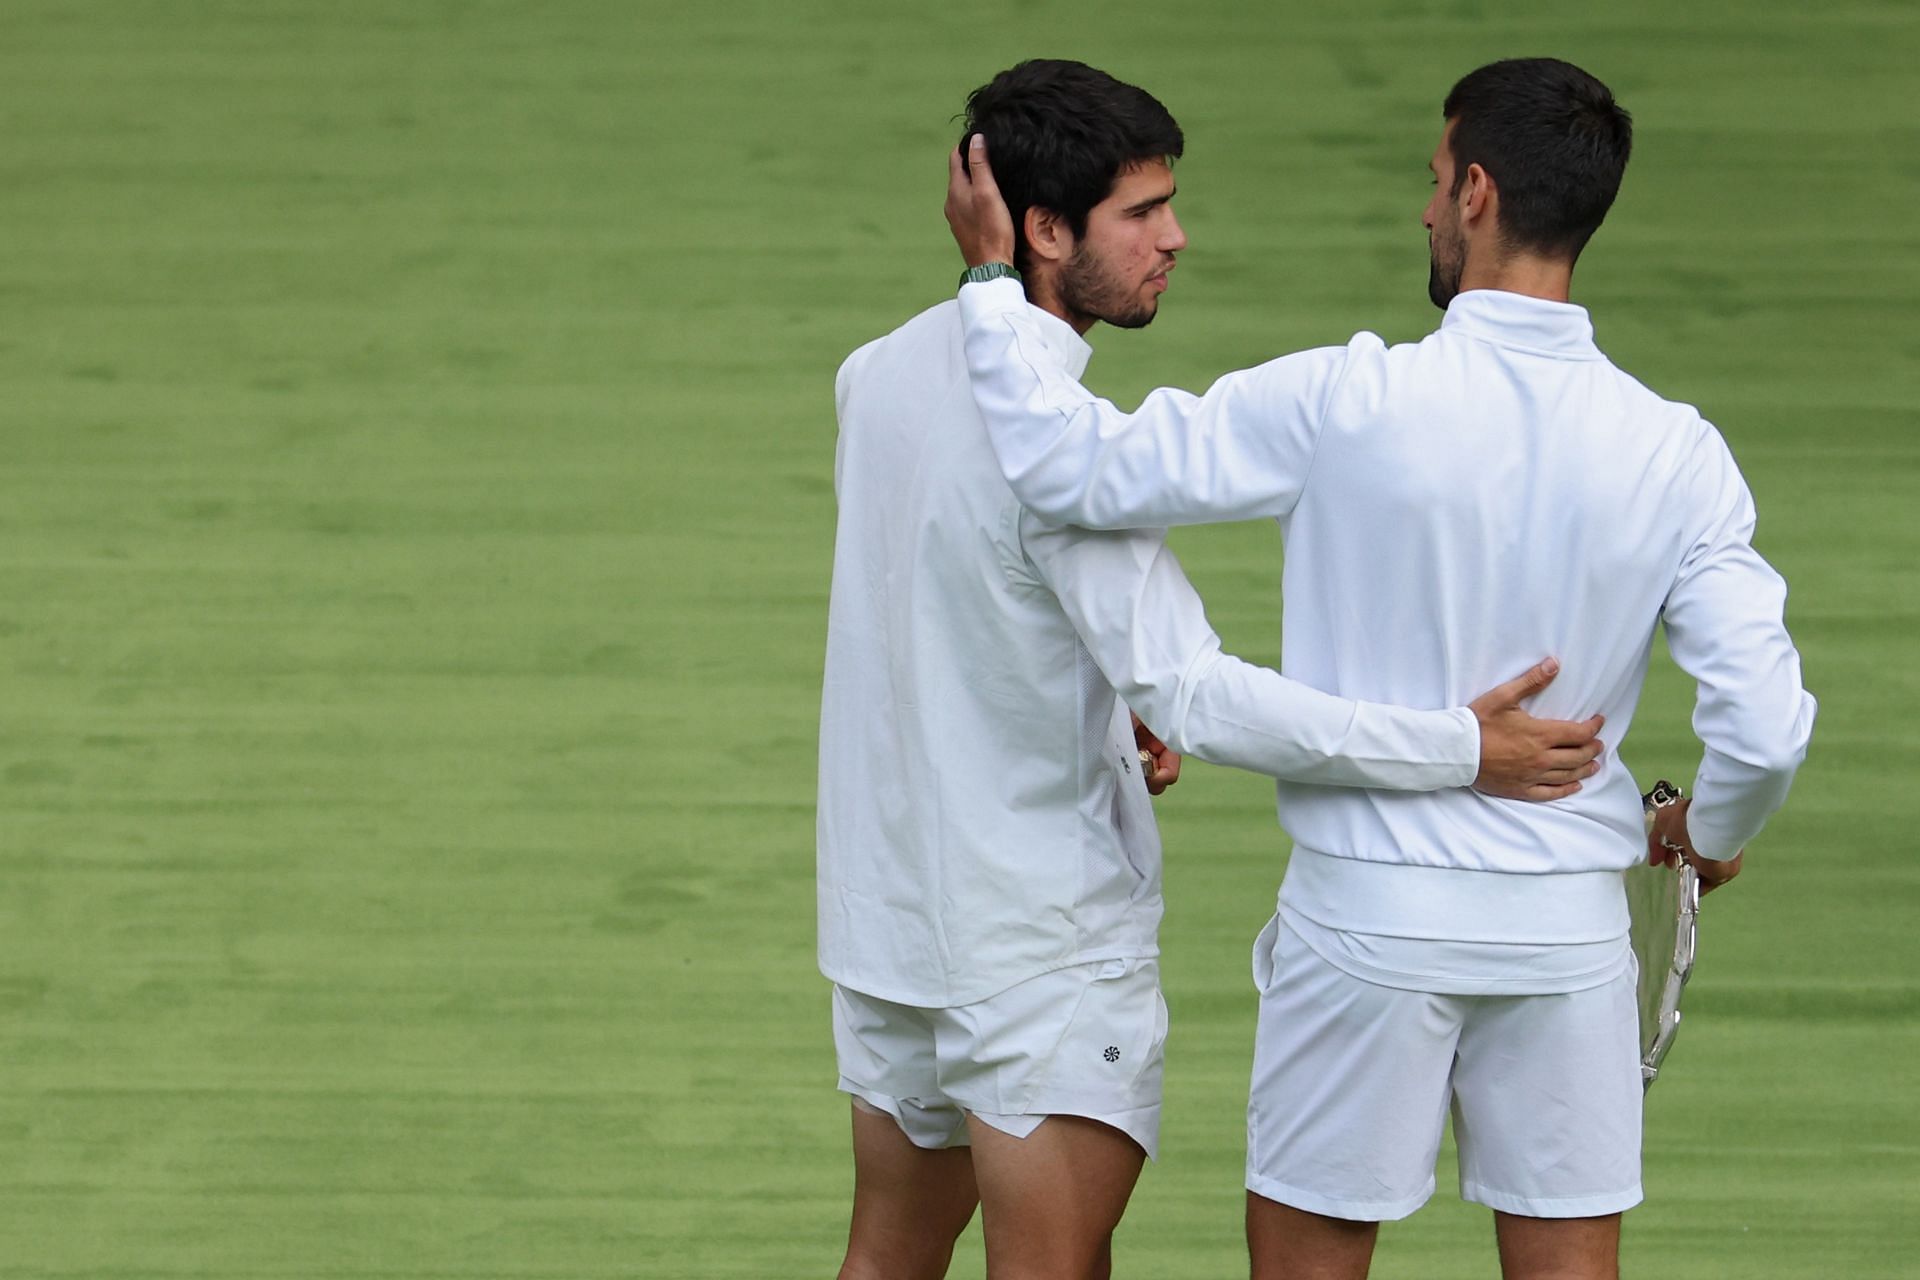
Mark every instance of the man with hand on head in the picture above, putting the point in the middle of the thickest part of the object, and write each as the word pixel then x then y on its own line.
pixel 1495 490
pixel 989 868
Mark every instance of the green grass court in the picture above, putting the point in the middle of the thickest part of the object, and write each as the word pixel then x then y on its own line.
pixel 416 436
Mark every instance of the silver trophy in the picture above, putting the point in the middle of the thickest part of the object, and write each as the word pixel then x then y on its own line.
pixel 1664 903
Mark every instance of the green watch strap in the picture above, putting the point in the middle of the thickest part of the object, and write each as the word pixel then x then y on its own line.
pixel 988 271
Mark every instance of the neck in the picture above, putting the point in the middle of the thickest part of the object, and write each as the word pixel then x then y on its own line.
pixel 1524 273
pixel 1042 294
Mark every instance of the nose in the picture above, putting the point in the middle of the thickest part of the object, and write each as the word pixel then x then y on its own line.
pixel 1175 237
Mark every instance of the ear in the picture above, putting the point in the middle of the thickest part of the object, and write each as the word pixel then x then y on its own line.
pixel 1479 198
pixel 1048 236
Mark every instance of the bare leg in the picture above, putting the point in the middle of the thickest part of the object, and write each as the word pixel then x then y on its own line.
pixel 1558 1248
pixel 909 1205
pixel 1049 1202
pixel 1291 1244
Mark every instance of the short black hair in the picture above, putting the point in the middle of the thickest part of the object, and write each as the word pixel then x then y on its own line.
pixel 1553 140
pixel 1059 135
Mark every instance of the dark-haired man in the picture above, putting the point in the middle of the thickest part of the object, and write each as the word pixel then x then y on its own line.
pixel 1496 489
pixel 989 870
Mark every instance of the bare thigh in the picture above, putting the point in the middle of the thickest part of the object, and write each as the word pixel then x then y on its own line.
pixel 1049 1202
pixel 909 1204
pixel 1292 1244
pixel 1286 1243
pixel 1558 1248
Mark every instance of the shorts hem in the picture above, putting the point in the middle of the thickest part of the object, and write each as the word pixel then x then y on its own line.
pixel 1596 1206
pixel 1329 1207
pixel 1141 1125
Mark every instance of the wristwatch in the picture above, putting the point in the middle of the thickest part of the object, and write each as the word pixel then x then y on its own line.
pixel 988 271
pixel 1664 793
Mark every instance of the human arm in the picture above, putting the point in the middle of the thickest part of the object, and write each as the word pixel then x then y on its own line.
pixel 1144 626
pixel 1240 451
pixel 1725 623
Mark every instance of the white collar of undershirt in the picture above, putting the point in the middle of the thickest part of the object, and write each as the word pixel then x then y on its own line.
pixel 1064 342
pixel 1524 323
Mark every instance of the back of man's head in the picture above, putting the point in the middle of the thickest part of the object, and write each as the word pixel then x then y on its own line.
pixel 1060 133
pixel 1554 142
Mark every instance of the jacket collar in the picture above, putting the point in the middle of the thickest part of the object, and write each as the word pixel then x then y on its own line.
pixel 1522 323
pixel 1064 342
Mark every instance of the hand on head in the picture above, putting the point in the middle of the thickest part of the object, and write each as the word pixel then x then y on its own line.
pixel 976 214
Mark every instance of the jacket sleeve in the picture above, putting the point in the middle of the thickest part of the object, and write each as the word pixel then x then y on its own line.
pixel 1726 627
pixel 1144 625
pixel 1241 451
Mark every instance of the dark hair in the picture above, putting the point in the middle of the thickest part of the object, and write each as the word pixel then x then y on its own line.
pixel 1060 133
pixel 1553 140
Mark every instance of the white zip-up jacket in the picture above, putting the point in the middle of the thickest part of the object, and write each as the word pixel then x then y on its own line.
pixel 1452 509
pixel 982 818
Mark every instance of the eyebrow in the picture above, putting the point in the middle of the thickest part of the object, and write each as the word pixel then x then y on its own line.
pixel 1144 205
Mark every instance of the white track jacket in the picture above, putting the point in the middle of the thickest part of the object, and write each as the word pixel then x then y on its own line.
pixel 1452 509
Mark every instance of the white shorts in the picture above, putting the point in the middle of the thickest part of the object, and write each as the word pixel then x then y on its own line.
pixel 1352 1082
pixel 1088 1040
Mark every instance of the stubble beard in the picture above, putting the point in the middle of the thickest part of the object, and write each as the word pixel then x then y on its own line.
pixel 1087 288
pixel 1443 272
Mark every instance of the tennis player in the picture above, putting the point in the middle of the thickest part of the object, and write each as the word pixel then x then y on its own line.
pixel 989 868
pixel 1498 489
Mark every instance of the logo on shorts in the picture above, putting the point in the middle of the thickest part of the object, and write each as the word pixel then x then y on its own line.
pixel 1112 1054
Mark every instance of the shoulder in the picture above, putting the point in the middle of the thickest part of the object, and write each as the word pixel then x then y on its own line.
pixel 1316 362
pixel 1330 375
pixel 936 327
pixel 851 367
pixel 1677 424
pixel 1682 445
pixel 1631 386
pixel 924 339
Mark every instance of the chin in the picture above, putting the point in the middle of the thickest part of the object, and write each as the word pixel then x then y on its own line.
pixel 1138 318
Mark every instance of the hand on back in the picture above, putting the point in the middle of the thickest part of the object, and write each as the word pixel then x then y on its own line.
pixel 1525 758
